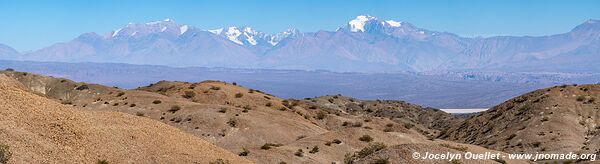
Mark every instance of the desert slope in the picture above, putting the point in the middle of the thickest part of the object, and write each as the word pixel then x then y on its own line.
pixel 38 130
pixel 554 120
pixel 259 126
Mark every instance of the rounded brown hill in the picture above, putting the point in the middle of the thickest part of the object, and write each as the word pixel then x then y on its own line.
pixel 36 130
pixel 560 119
pixel 259 126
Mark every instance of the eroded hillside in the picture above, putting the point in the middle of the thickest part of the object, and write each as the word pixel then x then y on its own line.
pixel 34 129
pixel 553 120
pixel 265 128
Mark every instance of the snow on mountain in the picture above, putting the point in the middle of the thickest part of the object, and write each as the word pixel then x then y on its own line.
pixel 364 23
pixel 358 24
pixel 365 44
pixel 116 32
pixel 142 29
pixel 247 36
pixel 289 33
pixel 216 31
pixel 373 25
pixel 393 23
pixel 232 34
pixel 244 36
pixel 183 29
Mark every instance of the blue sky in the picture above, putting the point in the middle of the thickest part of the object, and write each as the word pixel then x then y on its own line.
pixel 33 24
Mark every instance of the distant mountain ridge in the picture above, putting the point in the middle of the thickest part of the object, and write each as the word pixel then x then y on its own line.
pixel 365 44
pixel 7 52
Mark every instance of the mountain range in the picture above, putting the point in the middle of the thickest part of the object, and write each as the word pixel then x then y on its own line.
pixel 365 44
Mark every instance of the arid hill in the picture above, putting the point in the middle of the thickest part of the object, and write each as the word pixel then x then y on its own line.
pixel 262 127
pixel 553 120
pixel 34 129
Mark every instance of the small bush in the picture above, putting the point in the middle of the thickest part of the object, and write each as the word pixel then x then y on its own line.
pixel 321 115
pixel 299 153
pixel 357 124
pixel 156 102
pixel 239 95
pixel 215 88
pixel 455 161
pixel 10 69
pixel 101 162
pixel 511 136
pixel 285 103
pixel 336 141
pixel 268 104
pixel 408 125
pixel 328 143
pixel 139 113
pixel 5 154
pixel 580 98
pixel 223 110
pixel 232 123
pixel 189 94
pixel 380 161
pixel 372 148
pixel 314 150
pixel 120 94
pixel 82 87
pixel 500 160
pixel 268 146
pixel 174 108
pixel 345 123
pixel 244 152
pixel 301 137
pixel 234 83
pixel 366 138
pixel 388 129
pixel 544 119
pixel 132 105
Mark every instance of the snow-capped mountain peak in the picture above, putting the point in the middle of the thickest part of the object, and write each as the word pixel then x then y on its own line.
pixel 365 23
pixel 233 33
pixel 241 35
pixel 289 33
pixel 183 29
pixel 167 26
pixel 358 24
